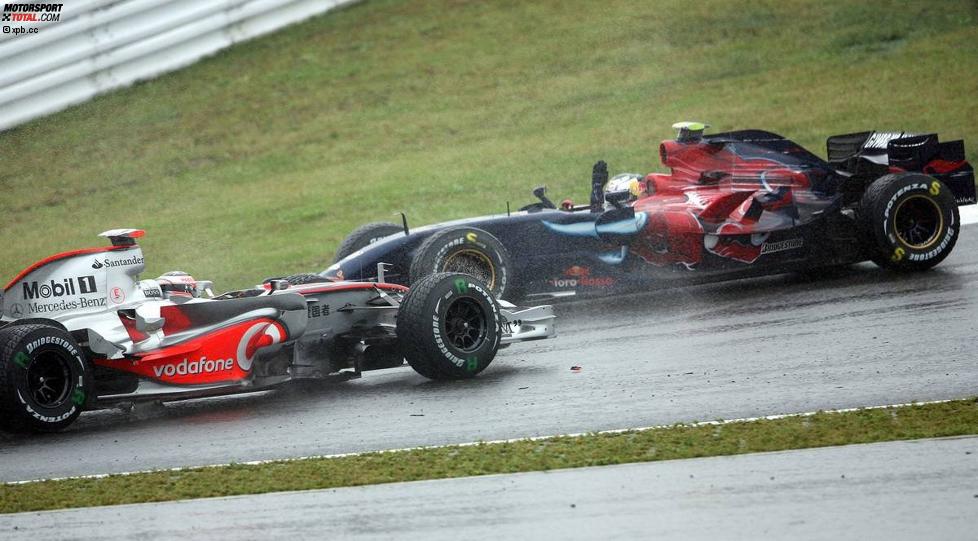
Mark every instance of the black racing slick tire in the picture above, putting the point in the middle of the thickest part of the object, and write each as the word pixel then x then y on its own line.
pixel 449 326
pixel 306 278
pixel 465 250
pixel 909 221
pixel 45 379
pixel 364 236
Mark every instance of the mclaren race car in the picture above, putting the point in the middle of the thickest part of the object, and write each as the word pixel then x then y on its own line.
pixel 80 330
pixel 734 205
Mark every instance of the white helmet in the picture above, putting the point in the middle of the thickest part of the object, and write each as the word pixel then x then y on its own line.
pixel 178 283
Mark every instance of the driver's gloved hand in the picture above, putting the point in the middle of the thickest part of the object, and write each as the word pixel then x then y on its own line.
pixel 599 176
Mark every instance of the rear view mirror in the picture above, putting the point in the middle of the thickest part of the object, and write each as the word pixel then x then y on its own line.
pixel 540 192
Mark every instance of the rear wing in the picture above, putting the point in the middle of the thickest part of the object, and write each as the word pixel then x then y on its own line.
pixel 872 154
pixel 123 237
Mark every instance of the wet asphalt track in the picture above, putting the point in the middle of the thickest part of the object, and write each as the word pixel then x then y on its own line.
pixel 782 344
pixel 896 490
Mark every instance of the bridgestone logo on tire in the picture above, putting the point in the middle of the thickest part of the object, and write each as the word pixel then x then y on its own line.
pixel 936 251
pixel 52 340
pixel 441 253
pixel 441 343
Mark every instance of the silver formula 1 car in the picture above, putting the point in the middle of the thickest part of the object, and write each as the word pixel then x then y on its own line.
pixel 79 330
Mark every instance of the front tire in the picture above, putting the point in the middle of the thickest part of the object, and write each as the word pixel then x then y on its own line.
pixel 449 326
pixel 909 221
pixel 45 378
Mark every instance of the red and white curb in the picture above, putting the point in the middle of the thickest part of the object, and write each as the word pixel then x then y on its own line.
pixel 488 442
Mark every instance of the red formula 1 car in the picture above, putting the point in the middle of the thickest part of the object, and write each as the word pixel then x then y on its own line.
pixel 733 205
pixel 79 330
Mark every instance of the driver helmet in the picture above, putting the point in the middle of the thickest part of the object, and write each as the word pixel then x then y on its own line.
pixel 178 283
pixel 625 182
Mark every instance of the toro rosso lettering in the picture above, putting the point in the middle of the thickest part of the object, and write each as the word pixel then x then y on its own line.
pixel 69 286
pixel 580 276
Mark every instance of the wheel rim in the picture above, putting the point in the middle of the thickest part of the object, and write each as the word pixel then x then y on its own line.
pixel 49 379
pixel 465 325
pixel 473 263
pixel 918 222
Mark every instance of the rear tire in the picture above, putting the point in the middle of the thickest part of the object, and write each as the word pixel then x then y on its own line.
pixel 465 250
pixel 45 379
pixel 364 236
pixel 449 326
pixel 909 221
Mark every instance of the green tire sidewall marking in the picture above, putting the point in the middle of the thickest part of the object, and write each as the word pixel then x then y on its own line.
pixel 461 285
pixel 78 397
pixel 21 359
pixel 472 364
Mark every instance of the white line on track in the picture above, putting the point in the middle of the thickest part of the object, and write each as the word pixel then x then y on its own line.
pixel 969 214
pixel 489 442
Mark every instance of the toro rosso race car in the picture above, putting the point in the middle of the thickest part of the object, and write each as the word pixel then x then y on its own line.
pixel 79 331
pixel 734 205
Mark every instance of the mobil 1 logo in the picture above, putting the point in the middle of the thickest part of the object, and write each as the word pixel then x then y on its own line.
pixel 61 295
pixel 82 285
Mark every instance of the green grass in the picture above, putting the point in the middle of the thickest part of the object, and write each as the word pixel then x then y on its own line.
pixel 257 161
pixel 681 441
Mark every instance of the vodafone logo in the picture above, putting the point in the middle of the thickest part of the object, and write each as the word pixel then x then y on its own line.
pixel 193 368
pixel 256 337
